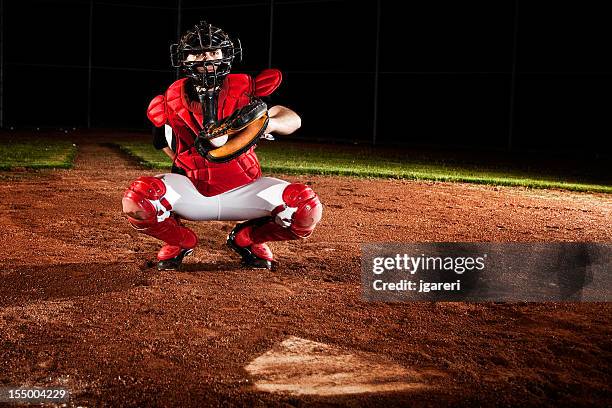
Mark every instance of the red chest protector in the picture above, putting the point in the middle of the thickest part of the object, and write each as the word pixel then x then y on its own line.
pixel 185 117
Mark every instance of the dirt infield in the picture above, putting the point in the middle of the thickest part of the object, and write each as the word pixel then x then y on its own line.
pixel 80 306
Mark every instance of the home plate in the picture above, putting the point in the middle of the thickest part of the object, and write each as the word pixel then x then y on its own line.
pixel 299 366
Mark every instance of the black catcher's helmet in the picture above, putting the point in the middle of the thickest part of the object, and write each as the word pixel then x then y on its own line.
pixel 202 38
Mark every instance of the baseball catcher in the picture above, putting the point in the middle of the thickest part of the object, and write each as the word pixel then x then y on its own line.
pixel 209 123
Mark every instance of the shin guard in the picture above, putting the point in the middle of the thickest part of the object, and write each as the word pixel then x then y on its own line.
pixel 140 203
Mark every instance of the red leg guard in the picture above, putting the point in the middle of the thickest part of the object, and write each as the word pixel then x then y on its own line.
pixel 271 231
pixel 308 212
pixel 308 208
pixel 143 216
pixel 260 249
pixel 174 235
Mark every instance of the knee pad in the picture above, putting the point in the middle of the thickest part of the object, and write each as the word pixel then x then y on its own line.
pixel 143 202
pixel 149 212
pixel 307 209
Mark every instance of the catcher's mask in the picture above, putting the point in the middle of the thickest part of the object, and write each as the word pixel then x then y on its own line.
pixel 203 38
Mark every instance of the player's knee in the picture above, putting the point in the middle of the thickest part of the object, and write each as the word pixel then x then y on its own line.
pixel 139 211
pixel 308 208
pixel 136 202
pixel 133 209
pixel 150 188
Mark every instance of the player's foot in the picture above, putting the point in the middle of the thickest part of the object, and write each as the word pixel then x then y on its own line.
pixel 256 256
pixel 172 264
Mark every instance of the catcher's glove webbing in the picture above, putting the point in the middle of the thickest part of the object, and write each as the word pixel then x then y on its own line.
pixel 243 129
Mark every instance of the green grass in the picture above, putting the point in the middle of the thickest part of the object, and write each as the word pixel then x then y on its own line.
pixel 146 155
pixel 37 154
pixel 292 158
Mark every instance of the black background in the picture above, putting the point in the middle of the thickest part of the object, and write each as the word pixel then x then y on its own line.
pixel 445 67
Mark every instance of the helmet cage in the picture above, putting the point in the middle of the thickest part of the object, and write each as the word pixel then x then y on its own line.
pixel 204 38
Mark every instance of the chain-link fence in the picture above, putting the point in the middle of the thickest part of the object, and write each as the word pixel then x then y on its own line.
pixel 467 74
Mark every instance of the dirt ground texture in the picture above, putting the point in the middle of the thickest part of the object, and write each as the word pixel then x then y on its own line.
pixel 81 305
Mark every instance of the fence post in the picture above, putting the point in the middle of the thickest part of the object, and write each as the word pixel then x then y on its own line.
pixel 91 7
pixel 513 80
pixel 1 64
pixel 271 31
pixel 179 12
pixel 376 74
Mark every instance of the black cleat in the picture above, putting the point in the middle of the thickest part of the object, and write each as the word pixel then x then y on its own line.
pixel 173 264
pixel 249 259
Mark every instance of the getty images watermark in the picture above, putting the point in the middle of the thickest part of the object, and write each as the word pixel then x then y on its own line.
pixel 412 264
pixel 393 272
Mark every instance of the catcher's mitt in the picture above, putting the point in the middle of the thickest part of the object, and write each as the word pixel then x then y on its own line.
pixel 243 129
